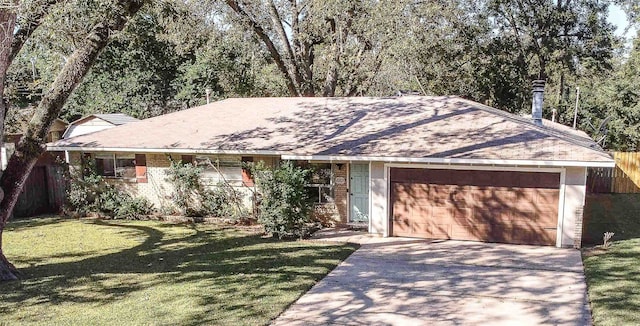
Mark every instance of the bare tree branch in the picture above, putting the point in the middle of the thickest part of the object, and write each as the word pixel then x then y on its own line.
pixel 273 50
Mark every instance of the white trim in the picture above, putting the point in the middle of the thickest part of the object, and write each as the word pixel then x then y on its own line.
pixel 331 158
pixel 561 171
pixel 387 223
pixel 348 167
pixel 4 160
pixel 479 168
pixel 161 150
pixel 431 160
pixel 370 200
pixel 560 227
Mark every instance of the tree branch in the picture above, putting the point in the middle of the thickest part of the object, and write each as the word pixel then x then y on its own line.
pixel 294 66
pixel 31 145
pixel 262 35
pixel 30 24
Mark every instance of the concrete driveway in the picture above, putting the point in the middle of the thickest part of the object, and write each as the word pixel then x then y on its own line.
pixel 417 282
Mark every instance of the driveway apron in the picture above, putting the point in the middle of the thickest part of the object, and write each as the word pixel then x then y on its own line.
pixel 418 282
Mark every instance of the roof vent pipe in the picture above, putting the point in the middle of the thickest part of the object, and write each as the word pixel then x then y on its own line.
pixel 536 104
pixel 208 94
pixel 554 115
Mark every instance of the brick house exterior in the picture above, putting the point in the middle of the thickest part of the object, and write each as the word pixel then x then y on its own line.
pixel 151 183
pixel 415 166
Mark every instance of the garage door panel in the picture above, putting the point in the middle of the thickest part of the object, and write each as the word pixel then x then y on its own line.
pixel 533 235
pixel 437 231
pixel 461 213
pixel 495 206
pixel 492 215
pixel 547 197
pixel 422 214
pixel 471 231
pixel 401 210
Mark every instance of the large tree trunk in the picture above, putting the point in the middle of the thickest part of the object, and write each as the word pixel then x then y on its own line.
pixel 7 25
pixel 31 145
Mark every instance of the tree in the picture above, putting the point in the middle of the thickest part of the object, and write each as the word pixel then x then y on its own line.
pixel 31 145
pixel 613 102
pixel 328 47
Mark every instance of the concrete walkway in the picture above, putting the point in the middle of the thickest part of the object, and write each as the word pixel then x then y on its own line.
pixel 400 281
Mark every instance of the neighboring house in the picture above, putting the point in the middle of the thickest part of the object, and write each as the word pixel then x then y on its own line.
pixel 429 167
pixel 16 125
pixel 96 122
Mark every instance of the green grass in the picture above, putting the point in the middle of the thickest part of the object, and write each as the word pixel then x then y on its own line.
pixel 91 272
pixel 613 281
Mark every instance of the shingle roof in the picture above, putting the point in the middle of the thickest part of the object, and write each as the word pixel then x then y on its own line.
pixel 114 118
pixel 400 127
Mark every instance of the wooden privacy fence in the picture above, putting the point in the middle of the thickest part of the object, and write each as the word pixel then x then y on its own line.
pixel 624 178
pixel 44 192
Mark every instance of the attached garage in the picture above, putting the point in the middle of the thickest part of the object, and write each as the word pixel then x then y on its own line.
pixel 416 166
pixel 482 205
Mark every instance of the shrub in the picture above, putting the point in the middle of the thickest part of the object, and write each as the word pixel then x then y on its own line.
pixel 223 201
pixel 187 186
pixel 134 207
pixel 88 192
pixel 285 206
pixel 193 198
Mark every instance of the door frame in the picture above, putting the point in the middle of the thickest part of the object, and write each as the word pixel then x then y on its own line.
pixel 562 171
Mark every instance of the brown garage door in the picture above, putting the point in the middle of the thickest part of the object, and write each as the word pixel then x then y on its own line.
pixel 492 206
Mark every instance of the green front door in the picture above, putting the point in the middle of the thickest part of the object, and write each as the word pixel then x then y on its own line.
pixel 359 193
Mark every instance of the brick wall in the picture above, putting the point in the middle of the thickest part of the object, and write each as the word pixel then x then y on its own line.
pixel 577 239
pixel 158 191
pixel 335 213
pixel 341 193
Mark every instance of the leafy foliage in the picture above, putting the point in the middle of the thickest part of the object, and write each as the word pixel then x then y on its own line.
pixel 193 198
pixel 487 51
pixel 89 192
pixel 285 207
pixel 187 186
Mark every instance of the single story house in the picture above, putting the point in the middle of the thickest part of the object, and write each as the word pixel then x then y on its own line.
pixel 96 122
pixel 416 166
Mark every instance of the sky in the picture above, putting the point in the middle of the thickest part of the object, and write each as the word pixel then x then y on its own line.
pixel 619 19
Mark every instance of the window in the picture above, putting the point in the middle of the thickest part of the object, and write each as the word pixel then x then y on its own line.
pixel 126 166
pixel 220 169
pixel 105 165
pixel 117 166
pixel 321 186
pixel 54 135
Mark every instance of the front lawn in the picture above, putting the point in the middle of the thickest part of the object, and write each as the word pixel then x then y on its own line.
pixel 613 281
pixel 81 272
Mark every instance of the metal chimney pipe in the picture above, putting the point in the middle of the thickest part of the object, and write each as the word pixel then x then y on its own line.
pixel 208 93
pixel 536 103
pixel 554 115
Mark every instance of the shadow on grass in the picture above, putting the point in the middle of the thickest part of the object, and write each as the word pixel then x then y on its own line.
pixel 18 224
pixel 228 261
